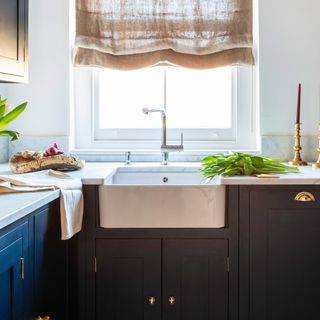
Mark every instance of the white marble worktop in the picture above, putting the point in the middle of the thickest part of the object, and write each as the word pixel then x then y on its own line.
pixel 97 173
pixel 14 206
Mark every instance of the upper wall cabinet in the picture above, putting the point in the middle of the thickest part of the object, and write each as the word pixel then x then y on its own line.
pixel 13 40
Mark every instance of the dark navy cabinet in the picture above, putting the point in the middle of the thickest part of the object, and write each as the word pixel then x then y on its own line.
pixel 14 262
pixel 161 279
pixel 128 279
pixel 50 283
pixel 157 274
pixel 279 253
pixel 33 267
pixel 13 40
pixel 195 279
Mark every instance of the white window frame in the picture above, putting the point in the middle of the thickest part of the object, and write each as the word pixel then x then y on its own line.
pixel 88 137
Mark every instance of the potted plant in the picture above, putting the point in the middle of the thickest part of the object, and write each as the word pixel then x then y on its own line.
pixel 8 114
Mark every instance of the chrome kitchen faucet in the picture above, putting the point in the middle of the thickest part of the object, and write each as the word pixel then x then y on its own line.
pixel 165 148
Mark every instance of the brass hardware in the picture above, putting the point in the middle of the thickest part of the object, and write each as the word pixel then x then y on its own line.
pixel 22 268
pixel 317 164
pixel 228 264
pixel 152 300
pixel 95 264
pixel 305 197
pixel 172 300
pixel 42 318
pixel 297 161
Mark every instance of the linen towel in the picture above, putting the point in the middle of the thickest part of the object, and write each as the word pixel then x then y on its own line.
pixel 71 197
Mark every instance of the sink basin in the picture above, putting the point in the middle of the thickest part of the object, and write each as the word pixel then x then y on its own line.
pixel 161 197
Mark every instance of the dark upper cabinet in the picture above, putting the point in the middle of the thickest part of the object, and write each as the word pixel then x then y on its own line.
pixel 14 273
pixel 195 279
pixel 13 40
pixel 283 264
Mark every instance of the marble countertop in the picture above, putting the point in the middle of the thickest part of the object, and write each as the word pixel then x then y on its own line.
pixel 97 173
pixel 14 206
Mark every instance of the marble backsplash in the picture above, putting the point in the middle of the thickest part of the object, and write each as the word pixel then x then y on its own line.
pixel 38 143
pixel 4 150
pixel 280 147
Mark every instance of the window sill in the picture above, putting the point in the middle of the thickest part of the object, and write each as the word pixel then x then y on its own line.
pixel 108 155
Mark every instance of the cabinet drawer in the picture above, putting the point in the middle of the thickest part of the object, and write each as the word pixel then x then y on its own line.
pixel 302 197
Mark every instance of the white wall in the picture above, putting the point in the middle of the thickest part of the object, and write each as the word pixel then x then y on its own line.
pixel 48 89
pixel 289 53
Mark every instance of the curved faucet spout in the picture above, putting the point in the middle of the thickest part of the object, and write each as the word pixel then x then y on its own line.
pixel 164 147
pixel 147 110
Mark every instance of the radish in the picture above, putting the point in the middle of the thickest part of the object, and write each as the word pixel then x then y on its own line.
pixel 53 151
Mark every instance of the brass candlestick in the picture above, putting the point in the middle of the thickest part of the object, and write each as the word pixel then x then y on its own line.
pixel 297 161
pixel 317 164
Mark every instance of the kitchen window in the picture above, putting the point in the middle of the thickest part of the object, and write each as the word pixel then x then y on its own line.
pixel 195 61
pixel 213 108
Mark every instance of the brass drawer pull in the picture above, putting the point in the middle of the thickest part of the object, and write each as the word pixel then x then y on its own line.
pixel 42 318
pixel 305 197
pixel 152 300
pixel 172 300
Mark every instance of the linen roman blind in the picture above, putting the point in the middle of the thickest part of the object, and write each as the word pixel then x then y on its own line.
pixel 132 34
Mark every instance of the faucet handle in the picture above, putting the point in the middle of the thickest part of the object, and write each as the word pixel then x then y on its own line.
pixel 127 157
pixel 181 138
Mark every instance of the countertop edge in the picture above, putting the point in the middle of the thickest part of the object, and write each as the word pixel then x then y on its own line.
pixel 28 207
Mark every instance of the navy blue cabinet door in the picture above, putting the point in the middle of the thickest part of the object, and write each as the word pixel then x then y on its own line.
pixel 128 279
pixel 13 259
pixel 284 256
pixel 13 40
pixel 195 279
pixel 50 264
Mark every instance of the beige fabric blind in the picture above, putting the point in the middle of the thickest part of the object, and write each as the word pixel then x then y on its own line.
pixel 131 34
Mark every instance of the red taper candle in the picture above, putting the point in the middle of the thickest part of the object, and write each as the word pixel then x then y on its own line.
pixel 298 104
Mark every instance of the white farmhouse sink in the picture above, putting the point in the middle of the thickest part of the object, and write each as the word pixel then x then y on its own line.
pixel 161 197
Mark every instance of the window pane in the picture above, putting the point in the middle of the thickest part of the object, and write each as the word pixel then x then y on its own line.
pixel 199 98
pixel 123 94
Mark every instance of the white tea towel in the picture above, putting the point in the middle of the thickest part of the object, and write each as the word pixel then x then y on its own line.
pixel 71 199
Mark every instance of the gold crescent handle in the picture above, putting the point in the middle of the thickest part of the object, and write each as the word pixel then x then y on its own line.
pixel 42 318
pixel 172 300
pixel 305 197
pixel 152 300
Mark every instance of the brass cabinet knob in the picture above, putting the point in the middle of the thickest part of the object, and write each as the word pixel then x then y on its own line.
pixel 152 300
pixel 172 300
pixel 305 197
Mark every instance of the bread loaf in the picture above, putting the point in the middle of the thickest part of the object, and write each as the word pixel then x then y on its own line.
pixel 30 161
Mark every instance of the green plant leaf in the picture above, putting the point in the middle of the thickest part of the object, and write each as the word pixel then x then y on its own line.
pixel 242 164
pixel 3 106
pixel 9 133
pixel 5 120
pixel 3 102
pixel 2 110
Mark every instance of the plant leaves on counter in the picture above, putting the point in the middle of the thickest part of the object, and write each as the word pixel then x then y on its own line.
pixel 9 133
pixel 242 164
pixel 7 115
pixel 6 119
